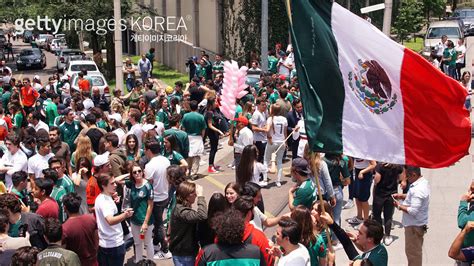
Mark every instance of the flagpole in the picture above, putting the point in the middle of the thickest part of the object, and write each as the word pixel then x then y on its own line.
pixel 313 156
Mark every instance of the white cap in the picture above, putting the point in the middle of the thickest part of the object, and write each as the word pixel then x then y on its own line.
pixel 101 159
pixel 36 77
pixel 147 127
pixel 117 117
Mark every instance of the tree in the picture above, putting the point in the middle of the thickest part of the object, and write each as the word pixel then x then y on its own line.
pixel 409 19
pixel 433 7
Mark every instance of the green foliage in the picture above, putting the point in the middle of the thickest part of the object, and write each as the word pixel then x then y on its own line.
pixel 433 7
pixel 409 20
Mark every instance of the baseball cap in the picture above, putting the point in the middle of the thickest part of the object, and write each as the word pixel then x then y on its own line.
pixel 282 77
pixel 242 119
pixel 148 127
pixel 300 165
pixel 117 117
pixel 101 159
pixel 36 77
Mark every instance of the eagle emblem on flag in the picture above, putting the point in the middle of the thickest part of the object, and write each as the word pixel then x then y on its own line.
pixel 372 86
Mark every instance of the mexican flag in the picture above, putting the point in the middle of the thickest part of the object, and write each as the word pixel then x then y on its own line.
pixel 369 97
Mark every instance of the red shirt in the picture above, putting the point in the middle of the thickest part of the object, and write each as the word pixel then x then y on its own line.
pixel 84 85
pixel 81 236
pixel 49 208
pixel 29 96
pixel 258 238
pixel 92 191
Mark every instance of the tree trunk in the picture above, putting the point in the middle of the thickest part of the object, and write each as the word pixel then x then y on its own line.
pixel 94 44
pixel 109 43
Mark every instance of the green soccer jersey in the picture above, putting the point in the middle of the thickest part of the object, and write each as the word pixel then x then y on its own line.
pixel 139 201
pixel 377 256
pixel 18 120
pixel 193 123
pixel 163 116
pixel 218 67
pixel 58 194
pixel 69 133
pixel 174 157
pixel 305 194
pixel 272 64
pixel 66 183
pixel 6 99
pixel 317 250
pixel 182 139
pixel 51 110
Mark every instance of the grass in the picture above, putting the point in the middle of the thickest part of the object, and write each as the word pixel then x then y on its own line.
pixel 415 46
pixel 164 73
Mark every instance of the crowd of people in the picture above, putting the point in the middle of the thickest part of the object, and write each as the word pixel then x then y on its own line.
pixel 86 177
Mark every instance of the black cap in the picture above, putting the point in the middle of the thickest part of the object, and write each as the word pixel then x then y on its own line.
pixel 300 165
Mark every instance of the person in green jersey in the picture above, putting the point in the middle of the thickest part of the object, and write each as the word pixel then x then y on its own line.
pixel 151 56
pixel 181 136
pixel 63 180
pixel 141 201
pixel 194 125
pixel 58 192
pixel 171 153
pixel 70 129
pixel 20 183
pixel 7 94
pixel 18 117
pixel 51 108
pixel 272 62
pixel 218 67
pixel 304 192
pixel 164 112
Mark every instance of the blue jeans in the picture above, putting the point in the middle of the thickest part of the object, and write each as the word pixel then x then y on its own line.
pixel 130 83
pixel 111 256
pixel 184 260
pixel 337 210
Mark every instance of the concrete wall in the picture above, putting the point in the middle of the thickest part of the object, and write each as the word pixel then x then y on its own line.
pixel 203 32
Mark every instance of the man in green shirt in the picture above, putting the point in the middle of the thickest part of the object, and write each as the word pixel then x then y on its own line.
pixel 51 108
pixel 304 192
pixel 58 192
pixel 194 125
pixel 20 183
pixel 466 214
pixel 151 56
pixel 218 67
pixel 63 180
pixel 6 98
pixel 368 240
pixel 272 62
pixel 70 129
pixel 54 254
pixel 180 135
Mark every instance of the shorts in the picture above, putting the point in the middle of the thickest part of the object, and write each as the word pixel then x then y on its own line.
pixel 362 186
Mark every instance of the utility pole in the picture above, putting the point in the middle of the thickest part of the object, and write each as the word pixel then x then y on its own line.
pixel 387 17
pixel 118 46
pixel 264 42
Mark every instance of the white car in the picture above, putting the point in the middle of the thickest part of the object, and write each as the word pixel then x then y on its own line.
pixel 98 80
pixel 76 66
pixel 41 40
pixel 451 28
pixel 57 45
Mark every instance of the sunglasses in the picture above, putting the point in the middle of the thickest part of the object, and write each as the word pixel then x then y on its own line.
pixel 137 172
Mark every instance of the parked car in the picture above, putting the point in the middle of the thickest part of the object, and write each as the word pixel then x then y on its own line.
pixel 60 36
pixel 465 15
pixel 27 36
pixel 65 55
pixel 98 80
pixel 42 39
pixel 55 45
pixel 437 29
pixel 30 58
pixel 76 66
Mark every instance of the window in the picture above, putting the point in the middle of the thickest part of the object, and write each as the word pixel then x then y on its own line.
pixel 81 67
pixel 436 33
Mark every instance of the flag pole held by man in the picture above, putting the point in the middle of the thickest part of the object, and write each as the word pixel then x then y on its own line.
pixel 369 97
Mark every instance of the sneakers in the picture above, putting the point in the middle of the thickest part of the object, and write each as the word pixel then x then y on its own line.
pixel 160 255
pixel 230 165
pixel 263 184
pixel 212 170
pixel 387 240
pixel 278 184
pixel 349 204
pixel 355 220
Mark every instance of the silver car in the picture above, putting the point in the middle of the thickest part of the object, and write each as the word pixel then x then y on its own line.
pixel 98 80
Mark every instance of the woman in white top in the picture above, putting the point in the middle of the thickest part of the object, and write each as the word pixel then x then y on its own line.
pixel 250 170
pixel 276 134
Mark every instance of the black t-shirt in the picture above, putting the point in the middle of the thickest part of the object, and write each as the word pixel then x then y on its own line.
pixel 211 115
pixel 95 135
pixel 389 179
